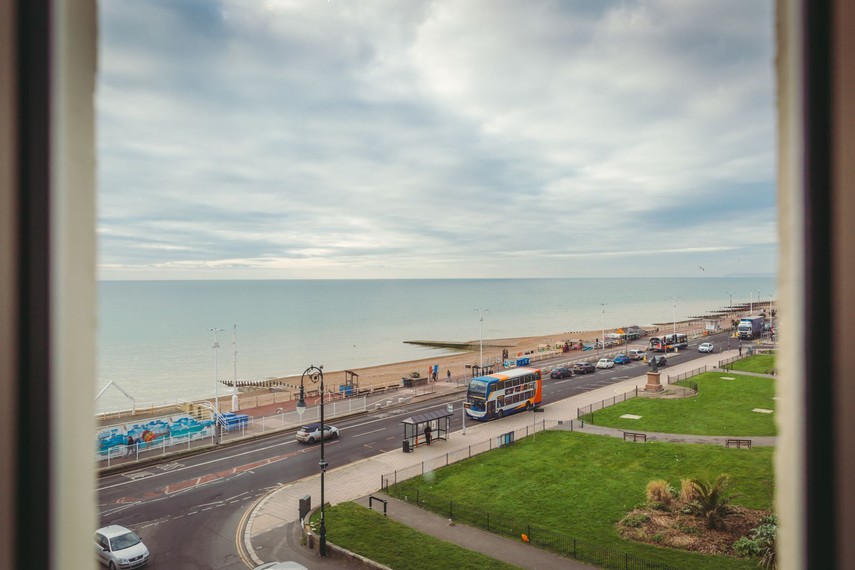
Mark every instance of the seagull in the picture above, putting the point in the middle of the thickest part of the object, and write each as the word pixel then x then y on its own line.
pixel 701 268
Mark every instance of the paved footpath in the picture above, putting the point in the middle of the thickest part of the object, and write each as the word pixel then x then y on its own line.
pixel 272 527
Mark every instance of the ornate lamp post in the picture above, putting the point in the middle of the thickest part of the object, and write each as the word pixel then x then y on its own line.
pixel 216 347
pixel 316 375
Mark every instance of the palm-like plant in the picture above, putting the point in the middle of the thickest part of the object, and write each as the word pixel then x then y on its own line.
pixel 711 500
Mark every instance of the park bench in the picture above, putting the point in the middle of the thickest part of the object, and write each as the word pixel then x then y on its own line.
pixel 634 436
pixel 738 443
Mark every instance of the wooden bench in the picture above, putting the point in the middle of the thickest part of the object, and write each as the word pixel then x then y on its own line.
pixel 634 436
pixel 738 443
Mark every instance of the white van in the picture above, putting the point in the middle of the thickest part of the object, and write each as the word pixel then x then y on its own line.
pixel 637 353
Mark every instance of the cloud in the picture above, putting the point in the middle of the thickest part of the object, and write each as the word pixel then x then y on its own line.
pixel 385 139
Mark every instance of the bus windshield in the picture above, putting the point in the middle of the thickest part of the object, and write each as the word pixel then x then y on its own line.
pixel 477 386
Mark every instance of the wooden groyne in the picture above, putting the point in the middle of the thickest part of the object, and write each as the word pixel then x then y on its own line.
pixel 469 346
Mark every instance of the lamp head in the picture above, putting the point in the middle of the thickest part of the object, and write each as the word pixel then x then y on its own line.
pixel 301 403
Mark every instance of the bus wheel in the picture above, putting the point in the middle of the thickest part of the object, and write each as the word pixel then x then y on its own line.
pixel 501 414
pixel 528 406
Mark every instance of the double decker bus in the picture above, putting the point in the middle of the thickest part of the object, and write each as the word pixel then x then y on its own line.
pixel 502 393
pixel 669 342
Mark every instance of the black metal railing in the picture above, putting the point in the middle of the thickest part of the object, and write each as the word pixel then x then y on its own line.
pixel 546 539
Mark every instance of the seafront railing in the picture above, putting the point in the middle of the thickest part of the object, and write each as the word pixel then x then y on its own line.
pixel 159 441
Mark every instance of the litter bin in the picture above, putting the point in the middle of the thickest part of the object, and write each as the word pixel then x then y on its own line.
pixel 405 446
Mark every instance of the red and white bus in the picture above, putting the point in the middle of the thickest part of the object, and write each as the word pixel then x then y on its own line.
pixel 502 393
pixel 669 342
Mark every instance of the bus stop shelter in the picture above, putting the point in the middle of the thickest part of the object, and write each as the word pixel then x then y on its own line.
pixel 414 427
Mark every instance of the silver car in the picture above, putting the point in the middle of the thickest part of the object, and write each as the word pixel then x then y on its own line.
pixel 119 548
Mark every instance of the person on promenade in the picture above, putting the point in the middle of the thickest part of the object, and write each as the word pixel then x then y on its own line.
pixel 448 375
pixel 428 433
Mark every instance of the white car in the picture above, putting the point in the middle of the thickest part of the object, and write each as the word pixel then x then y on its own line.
pixel 605 363
pixel 119 548
pixel 706 347
pixel 310 433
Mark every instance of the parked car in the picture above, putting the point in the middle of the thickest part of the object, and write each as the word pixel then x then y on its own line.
pixel 561 372
pixel 583 368
pixel 312 432
pixel 659 360
pixel 637 354
pixel 605 363
pixel 622 359
pixel 120 548
pixel 706 347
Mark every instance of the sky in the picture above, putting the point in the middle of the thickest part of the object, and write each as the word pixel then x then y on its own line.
pixel 313 139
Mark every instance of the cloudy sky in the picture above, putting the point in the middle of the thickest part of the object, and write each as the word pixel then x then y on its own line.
pixel 410 139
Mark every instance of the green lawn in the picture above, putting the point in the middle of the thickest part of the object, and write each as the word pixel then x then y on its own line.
pixel 392 544
pixel 581 485
pixel 759 363
pixel 721 407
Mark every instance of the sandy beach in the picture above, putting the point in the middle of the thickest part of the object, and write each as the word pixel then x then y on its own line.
pixel 460 364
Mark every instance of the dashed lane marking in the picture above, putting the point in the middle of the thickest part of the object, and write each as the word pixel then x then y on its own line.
pixel 196 482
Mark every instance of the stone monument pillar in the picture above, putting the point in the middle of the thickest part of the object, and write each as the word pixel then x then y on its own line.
pixel 653 384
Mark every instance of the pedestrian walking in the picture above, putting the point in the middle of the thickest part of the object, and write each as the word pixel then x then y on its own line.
pixel 448 375
pixel 428 433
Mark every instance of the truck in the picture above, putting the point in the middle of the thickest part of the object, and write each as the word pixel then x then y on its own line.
pixel 750 327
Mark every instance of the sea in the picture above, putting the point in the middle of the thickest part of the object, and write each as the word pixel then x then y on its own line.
pixel 162 341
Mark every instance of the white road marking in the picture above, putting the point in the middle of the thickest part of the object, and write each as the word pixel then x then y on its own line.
pixel 368 432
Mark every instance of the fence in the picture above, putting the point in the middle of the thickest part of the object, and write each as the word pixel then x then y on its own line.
pixel 538 536
pixel 723 363
pixel 207 433
pixel 441 461
pixel 586 413
pixel 684 375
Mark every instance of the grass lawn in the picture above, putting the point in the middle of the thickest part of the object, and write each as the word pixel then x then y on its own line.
pixel 759 363
pixel 581 485
pixel 721 407
pixel 397 546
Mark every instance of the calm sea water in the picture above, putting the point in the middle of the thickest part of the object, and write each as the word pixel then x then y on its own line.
pixel 155 341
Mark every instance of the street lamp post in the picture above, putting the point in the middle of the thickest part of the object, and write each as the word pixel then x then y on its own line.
pixel 481 335
pixel 234 367
pixel 603 328
pixel 316 375
pixel 771 320
pixel 675 318
pixel 216 347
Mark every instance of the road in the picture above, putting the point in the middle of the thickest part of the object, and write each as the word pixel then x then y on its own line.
pixel 188 510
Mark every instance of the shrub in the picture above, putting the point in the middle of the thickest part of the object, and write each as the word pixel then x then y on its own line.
pixel 635 520
pixel 712 500
pixel 687 491
pixel 660 492
pixel 761 543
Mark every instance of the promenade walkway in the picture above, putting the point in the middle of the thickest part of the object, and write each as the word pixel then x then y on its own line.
pixel 275 517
